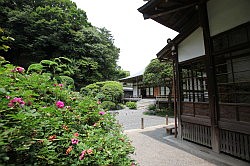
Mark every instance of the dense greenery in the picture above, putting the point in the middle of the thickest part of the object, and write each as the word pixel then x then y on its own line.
pixel 157 73
pixel 4 41
pixel 44 123
pixel 47 29
pixel 109 93
pixel 131 105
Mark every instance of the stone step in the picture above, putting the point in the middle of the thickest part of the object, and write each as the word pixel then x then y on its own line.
pixel 144 103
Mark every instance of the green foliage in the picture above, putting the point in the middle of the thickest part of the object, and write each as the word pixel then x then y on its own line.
pixel 37 67
pixel 159 74
pixel 105 91
pixel 131 105
pixel 108 105
pixel 58 68
pixel 152 107
pixel 44 30
pixel 4 40
pixel 156 73
pixel 162 112
pixel 67 81
pixel 37 129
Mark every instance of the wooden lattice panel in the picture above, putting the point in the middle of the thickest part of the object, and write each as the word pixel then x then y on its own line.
pixel 197 133
pixel 236 144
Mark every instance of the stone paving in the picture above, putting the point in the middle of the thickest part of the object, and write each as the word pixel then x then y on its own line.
pixel 153 147
pixel 151 152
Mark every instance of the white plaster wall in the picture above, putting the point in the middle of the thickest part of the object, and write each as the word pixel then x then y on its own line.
pixel 192 46
pixel 227 14
pixel 135 90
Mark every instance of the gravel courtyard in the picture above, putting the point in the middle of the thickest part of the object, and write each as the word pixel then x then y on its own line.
pixel 131 119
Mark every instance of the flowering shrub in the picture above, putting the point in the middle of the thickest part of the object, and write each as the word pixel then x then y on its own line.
pixel 43 124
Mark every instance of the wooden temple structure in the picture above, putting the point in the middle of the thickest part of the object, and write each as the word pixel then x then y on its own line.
pixel 212 69
pixel 141 90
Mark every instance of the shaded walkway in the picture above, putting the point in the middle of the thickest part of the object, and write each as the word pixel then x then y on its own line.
pixel 153 147
pixel 152 152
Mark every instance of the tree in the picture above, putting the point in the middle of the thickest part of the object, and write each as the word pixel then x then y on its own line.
pixel 49 29
pixel 159 73
pixel 4 40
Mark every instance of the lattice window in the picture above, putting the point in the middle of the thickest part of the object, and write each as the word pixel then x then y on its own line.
pixel 233 76
pixel 194 82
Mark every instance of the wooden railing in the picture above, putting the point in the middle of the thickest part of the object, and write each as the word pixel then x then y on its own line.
pixel 132 98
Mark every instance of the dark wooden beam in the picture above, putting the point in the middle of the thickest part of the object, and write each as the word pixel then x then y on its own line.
pixel 184 19
pixel 169 11
pixel 213 107
pixel 235 126
pixel 196 120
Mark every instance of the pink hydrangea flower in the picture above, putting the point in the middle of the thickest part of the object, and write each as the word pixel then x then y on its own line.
pixel 74 141
pixel 61 85
pixel 60 104
pixel 10 104
pixel 82 155
pixel 101 113
pixel 76 134
pixel 19 69
pixel 16 100
pixel 7 97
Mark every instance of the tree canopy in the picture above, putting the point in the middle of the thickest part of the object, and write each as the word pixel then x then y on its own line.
pixel 156 73
pixel 47 29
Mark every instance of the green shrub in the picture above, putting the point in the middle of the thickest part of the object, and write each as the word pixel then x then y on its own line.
pixel 152 107
pixel 131 105
pixel 43 123
pixel 105 91
pixel 108 105
pixel 120 106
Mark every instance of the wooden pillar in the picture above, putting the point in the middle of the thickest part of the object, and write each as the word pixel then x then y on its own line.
pixel 177 96
pixel 209 62
pixel 175 100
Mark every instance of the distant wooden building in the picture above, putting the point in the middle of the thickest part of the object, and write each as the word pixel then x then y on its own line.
pixel 140 90
pixel 212 65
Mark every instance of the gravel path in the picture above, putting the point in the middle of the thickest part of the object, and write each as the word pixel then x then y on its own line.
pixel 153 147
pixel 131 119
pixel 152 152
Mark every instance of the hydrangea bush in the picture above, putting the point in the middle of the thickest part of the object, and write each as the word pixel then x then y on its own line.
pixel 43 123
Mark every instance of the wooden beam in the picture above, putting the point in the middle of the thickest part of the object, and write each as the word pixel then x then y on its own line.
pixel 235 126
pixel 213 107
pixel 196 120
pixel 178 93
pixel 169 11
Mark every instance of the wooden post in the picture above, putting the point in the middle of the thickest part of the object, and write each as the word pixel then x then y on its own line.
pixel 166 119
pixel 142 123
pixel 215 138
pixel 177 94
pixel 174 84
